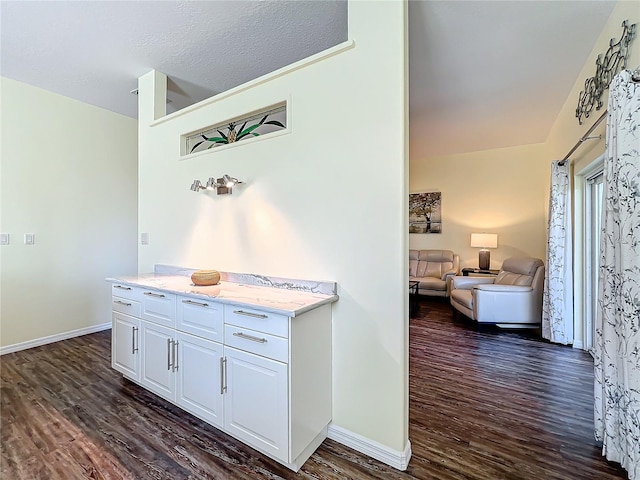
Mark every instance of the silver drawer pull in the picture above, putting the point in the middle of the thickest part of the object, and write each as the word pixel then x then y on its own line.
pixel 121 287
pixel 134 349
pixel 191 302
pixel 223 375
pixel 169 351
pixel 249 314
pixel 122 303
pixel 175 356
pixel 249 337
pixel 151 294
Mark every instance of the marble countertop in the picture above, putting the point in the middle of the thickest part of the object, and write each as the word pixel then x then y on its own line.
pixel 269 299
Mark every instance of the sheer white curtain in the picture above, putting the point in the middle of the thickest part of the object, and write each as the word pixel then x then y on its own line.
pixel 617 342
pixel 557 301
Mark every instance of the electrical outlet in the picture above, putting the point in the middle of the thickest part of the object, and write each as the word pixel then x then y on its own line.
pixel 29 238
pixel 4 239
pixel 144 239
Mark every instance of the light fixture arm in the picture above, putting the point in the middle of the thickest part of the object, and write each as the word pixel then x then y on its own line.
pixel 197 186
pixel 222 186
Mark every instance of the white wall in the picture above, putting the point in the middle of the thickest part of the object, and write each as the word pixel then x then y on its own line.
pixel 326 201
pixel 69 175
pixel 500 191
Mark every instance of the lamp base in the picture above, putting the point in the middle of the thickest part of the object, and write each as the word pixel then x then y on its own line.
pixel 484 259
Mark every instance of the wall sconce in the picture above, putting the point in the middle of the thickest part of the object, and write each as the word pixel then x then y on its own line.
pixel 484 241
pixel 222 186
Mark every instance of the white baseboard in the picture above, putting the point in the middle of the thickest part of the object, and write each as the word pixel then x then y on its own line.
pixel 395 458
pixel 16 347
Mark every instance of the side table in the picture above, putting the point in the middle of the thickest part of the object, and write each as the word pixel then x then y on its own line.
pixel 414 305
pixel 478 271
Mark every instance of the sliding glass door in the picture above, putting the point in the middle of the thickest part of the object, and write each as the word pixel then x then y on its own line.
pixel 593 229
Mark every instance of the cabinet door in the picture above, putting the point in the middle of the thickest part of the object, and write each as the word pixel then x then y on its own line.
pixel 125 342
pixel 198 388
pixel 256 402
pixel 158 357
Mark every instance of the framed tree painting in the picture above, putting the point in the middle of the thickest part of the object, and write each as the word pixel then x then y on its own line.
pixel 424 212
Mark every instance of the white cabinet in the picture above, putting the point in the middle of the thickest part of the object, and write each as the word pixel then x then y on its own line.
pixel 262 377
pixel 158 359
pixel 183 369
pixel 278 380
pixel 256 360
pixel 125 345
pixel 199 383
pixel 256 402
pixel 125 342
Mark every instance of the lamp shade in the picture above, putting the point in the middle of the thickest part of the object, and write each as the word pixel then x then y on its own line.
pixel 484 240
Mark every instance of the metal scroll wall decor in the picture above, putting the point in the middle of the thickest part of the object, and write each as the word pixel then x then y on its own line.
pixel 606 68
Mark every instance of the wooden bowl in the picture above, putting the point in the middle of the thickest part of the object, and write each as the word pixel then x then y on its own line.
pixel 205 277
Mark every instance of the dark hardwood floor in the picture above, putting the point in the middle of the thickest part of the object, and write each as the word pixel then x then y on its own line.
pixel 483 405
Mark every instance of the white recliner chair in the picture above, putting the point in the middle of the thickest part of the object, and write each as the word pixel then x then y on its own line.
pixel 513 299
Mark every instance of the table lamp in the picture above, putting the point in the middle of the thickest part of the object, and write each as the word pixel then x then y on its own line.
pixel 484 241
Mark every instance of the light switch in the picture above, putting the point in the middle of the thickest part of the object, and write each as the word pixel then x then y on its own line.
pixel 4 239
pixel 29 238
pixel 144 239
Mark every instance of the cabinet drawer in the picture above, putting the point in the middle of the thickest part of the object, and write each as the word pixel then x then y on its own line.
pixel 125 291
pixel 124 305
pixel 259 343
pixel 159 307
pixel 202 318
pixel 257 320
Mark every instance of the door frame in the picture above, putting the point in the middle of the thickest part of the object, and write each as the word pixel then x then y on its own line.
pixel 581 252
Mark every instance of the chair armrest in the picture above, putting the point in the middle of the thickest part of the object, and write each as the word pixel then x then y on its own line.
pixel 467 283
pixel 447 277
pixel 504 288
pixel 449 273
pixel 507 304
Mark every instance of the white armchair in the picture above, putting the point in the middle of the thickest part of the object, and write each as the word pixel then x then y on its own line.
pixel 513 299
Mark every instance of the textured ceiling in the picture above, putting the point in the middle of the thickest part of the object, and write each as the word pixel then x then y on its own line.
pixel 483 74
pixel 95 51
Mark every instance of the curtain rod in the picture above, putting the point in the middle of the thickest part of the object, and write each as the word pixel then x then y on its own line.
pixel 635 77
pixel 585 137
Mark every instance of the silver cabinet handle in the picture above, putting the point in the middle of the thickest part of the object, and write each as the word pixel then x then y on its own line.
pixel 191 302
pixel 175 356
pixel 249 314
pixel 249 337
pixel 151 294
pixel 122 303
pixel 121 287
pixel 223 375
pixel 168 354
pixel 134 349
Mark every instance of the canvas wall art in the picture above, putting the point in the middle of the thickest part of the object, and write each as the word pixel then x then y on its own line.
pixel 425 212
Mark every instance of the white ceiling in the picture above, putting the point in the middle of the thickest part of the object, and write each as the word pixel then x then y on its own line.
pixel 483 74
pixel 491 74
pixel 95 51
